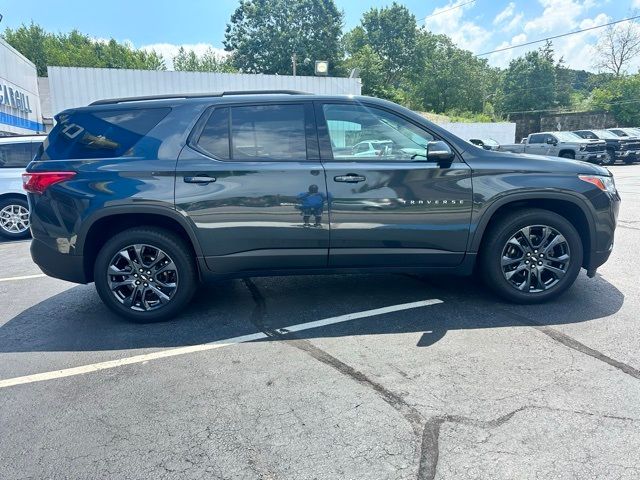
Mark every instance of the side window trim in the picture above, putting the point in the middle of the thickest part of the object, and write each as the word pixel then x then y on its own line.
pixel 326 152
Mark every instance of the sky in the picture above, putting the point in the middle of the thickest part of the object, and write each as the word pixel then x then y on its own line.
pixel 477 25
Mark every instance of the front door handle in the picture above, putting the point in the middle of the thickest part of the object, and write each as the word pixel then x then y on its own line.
pixel 201 179
pixel 350 178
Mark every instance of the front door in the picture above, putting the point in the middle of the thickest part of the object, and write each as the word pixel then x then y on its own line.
pixel 392 207
pixel 252 183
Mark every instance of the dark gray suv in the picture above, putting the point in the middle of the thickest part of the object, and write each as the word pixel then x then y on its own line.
pixel 148 196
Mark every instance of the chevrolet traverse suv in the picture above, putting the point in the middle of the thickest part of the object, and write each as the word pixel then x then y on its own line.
pixel 147 196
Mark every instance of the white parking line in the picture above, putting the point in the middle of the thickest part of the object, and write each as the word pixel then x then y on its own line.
pixel 24 277
pixel 95 367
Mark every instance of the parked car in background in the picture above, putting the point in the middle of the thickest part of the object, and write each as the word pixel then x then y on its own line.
pixel 560 144
pixel 618 148
pixel 370 147
pixel 626 132
pixel 15 155
pixel 486 143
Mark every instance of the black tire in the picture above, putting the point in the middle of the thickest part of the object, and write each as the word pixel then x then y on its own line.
pixel 496 244
pixel 5 229
pixel 170 244
pixel 570 155
pixel 610 158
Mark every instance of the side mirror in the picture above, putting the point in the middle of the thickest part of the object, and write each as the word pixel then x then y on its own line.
pixel 551 141
pixel 438 151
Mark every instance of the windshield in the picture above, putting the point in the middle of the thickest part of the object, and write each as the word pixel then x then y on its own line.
pixel 567 137
pixel 605 134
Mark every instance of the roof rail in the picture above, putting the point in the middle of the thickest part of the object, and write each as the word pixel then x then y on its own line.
pixel 170 96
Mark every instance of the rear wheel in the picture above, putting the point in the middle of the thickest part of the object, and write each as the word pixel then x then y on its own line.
pixel 531 256
pixel 14 218
pixel 145 274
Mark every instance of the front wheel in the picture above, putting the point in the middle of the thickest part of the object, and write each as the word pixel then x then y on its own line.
pixel 145 274
pixel 609 158
pixel 531 256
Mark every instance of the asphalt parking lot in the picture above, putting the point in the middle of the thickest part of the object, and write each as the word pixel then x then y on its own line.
pixel 327 377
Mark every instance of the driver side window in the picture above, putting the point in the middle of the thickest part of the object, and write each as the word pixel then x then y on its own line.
pixel 359 132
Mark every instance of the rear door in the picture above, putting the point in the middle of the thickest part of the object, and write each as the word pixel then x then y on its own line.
pixel 252 183
pixel 392 208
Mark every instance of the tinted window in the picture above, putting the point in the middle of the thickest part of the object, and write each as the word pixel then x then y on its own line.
pixel 99 133
pixel 585 134
pixel 215 135
pixel 537 138
pixel 15 155
pixel 270 132
pixel 390 137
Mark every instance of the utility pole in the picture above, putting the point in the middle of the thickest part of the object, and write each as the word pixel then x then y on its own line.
pixel 294 57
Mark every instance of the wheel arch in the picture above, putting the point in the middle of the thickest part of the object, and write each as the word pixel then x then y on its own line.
pixel 20 196
pixel 113 220
pixel 567 205
pixel 567 150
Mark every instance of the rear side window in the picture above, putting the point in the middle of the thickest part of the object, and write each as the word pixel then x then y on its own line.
pixel 269 132
pixel 99 133
pixel 538 138
pixel 215 134
pixel 15 155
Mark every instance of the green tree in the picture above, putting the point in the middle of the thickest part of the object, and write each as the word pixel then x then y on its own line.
pixel 263 35
pixel 75 49
pixel 620 96
pixel 33 42
pixel 391 33
pixel 189 61
pixel 447 78
pixel 529 83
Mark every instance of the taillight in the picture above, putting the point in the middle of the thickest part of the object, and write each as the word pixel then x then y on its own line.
pixel 40 181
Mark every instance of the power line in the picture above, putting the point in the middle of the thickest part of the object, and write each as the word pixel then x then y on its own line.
pixel 557 36
pixel 449 9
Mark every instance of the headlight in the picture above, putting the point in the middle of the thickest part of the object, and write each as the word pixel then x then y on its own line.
pixel 583 147
pixel 604 183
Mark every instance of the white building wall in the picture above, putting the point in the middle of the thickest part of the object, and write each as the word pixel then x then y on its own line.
pixel 19 99
pixel 75 87
pixel 500 132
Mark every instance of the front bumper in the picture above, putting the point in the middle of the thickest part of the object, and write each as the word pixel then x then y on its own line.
pixel 590 157
pixel 58 265
pixel 627 154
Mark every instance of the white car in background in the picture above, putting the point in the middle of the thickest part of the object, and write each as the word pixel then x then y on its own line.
pixel 15 154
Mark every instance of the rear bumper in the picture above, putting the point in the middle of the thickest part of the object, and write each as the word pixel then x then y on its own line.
pixel 58 265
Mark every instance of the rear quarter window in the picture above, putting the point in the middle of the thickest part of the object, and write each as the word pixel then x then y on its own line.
pixel 89 134
pixel 15 155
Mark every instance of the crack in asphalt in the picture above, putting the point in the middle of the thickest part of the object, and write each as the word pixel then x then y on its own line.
pixel 411 414
pixel 554 334
pixel 574 344
pixel 428 432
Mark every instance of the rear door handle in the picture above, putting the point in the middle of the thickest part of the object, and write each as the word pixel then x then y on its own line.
pixel 201 179
pixel 350 178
